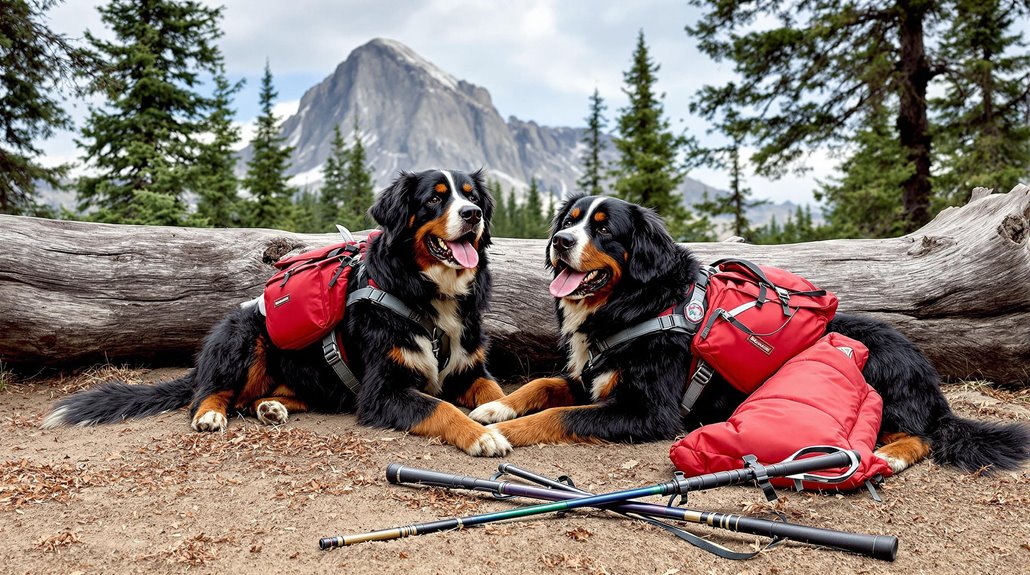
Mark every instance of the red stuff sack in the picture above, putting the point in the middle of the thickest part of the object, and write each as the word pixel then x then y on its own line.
pixel 816 398
pixel 756 318
pixel 308 297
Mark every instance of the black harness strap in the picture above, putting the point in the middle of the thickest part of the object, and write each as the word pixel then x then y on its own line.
pixel 685 318
pixel 440 341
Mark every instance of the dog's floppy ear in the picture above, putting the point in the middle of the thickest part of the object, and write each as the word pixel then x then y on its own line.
pixel 653 249
pixel 393 205
pixel 483 190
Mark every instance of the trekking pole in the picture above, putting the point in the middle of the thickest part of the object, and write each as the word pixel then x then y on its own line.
pixel 398 474
pixel 877 546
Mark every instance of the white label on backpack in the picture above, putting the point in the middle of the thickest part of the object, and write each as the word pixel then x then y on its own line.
pixel 281 301
pixel 762 345
pixel 846 350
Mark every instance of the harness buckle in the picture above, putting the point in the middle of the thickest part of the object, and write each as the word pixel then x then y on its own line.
pixel 331 352
pixel 703 374
pixel 436 341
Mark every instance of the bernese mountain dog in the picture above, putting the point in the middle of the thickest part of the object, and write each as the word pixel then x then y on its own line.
pixel 615 265
pixel 431 255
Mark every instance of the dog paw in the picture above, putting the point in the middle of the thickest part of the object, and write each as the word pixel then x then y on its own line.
pixel 490 444
pixel 272 413
pixel 492 412
pixel 210 421
pixel 896 465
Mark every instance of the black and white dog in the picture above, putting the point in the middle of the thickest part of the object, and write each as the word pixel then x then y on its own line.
pixel 432 256
pixel 614 266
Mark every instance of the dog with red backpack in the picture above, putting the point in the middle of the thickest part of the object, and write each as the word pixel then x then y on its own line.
pixel 388 328
pixel 658 343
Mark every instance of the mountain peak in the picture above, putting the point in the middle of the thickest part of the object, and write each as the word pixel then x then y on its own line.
pixel 408 57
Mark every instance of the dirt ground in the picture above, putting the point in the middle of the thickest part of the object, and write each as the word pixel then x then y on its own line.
pixel 150 496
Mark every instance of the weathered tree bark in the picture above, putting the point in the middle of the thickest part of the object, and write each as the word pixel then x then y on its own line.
pixel 73 292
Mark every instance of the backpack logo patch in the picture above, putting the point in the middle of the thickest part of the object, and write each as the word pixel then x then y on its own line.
pixel 695 312
pixel 762 345
pixel 281 301
pixel 846 350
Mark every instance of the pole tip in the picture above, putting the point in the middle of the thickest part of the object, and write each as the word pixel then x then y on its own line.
pixel 392 471
pixel 327 542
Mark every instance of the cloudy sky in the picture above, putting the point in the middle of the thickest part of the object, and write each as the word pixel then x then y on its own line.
pixel 540 59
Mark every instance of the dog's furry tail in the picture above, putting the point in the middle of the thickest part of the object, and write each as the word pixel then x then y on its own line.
pixel 979 445
pixel 117 401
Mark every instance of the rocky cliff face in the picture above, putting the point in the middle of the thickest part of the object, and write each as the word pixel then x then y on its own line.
pixel 413 116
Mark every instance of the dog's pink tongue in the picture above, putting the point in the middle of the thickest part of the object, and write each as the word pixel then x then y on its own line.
pixel 566 282
pixel 464 254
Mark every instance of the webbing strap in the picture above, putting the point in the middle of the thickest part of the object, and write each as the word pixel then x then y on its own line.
pixel 660 323
pixel 331 352
pixel 439 340
pixel 702 375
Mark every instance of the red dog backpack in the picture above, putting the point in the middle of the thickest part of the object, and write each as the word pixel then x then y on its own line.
pixel 308 296
pixel 818 397
pixel 756 318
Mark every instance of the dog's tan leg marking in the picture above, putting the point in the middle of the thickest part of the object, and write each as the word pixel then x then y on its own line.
pixel 481 391
pixel 544 427
pixel 210 416
pixel 451 425
pixel 534 396
pixel 901 450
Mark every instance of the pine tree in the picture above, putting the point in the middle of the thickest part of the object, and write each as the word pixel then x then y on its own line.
pixel 499 227
pixel 266 170
pixel 649 169
pixel 810 74
pixel 358 190
pixel 514 216
pixel 737 202
pixel 590 181
pixel 331 196
pixel 148 134
pixel 215 172
pixel 984 135
pixel 36 64
pixel 533 225
pixel 306 213
pixel 865 202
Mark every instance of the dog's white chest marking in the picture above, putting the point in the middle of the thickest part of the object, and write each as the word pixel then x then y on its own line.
pixel 449 322
pixel 574 313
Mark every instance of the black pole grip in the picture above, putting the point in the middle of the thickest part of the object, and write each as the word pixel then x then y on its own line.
pixel 738 476
pixel 883 547
pixel 809 464
pixel 397 473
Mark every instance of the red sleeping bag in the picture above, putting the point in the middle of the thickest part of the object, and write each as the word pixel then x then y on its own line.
pixel 819 397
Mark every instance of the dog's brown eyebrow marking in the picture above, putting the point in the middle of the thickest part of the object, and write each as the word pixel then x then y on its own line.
pixel 600 217
pixel 575 212
pixel 440 188
pixel 467 187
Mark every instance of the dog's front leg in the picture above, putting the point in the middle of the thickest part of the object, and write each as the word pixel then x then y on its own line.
pixel 536 395
pixel 589 424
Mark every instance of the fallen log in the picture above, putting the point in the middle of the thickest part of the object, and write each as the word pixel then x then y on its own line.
pixel 74 292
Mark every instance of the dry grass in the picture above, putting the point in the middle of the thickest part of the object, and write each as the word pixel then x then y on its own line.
pixel 100 374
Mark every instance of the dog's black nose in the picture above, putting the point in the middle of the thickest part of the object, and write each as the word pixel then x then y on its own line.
pixel 564 240
pixel 471 214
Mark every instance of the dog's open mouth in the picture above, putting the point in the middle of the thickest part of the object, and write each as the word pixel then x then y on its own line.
pixel 457 253
pixel 570 283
